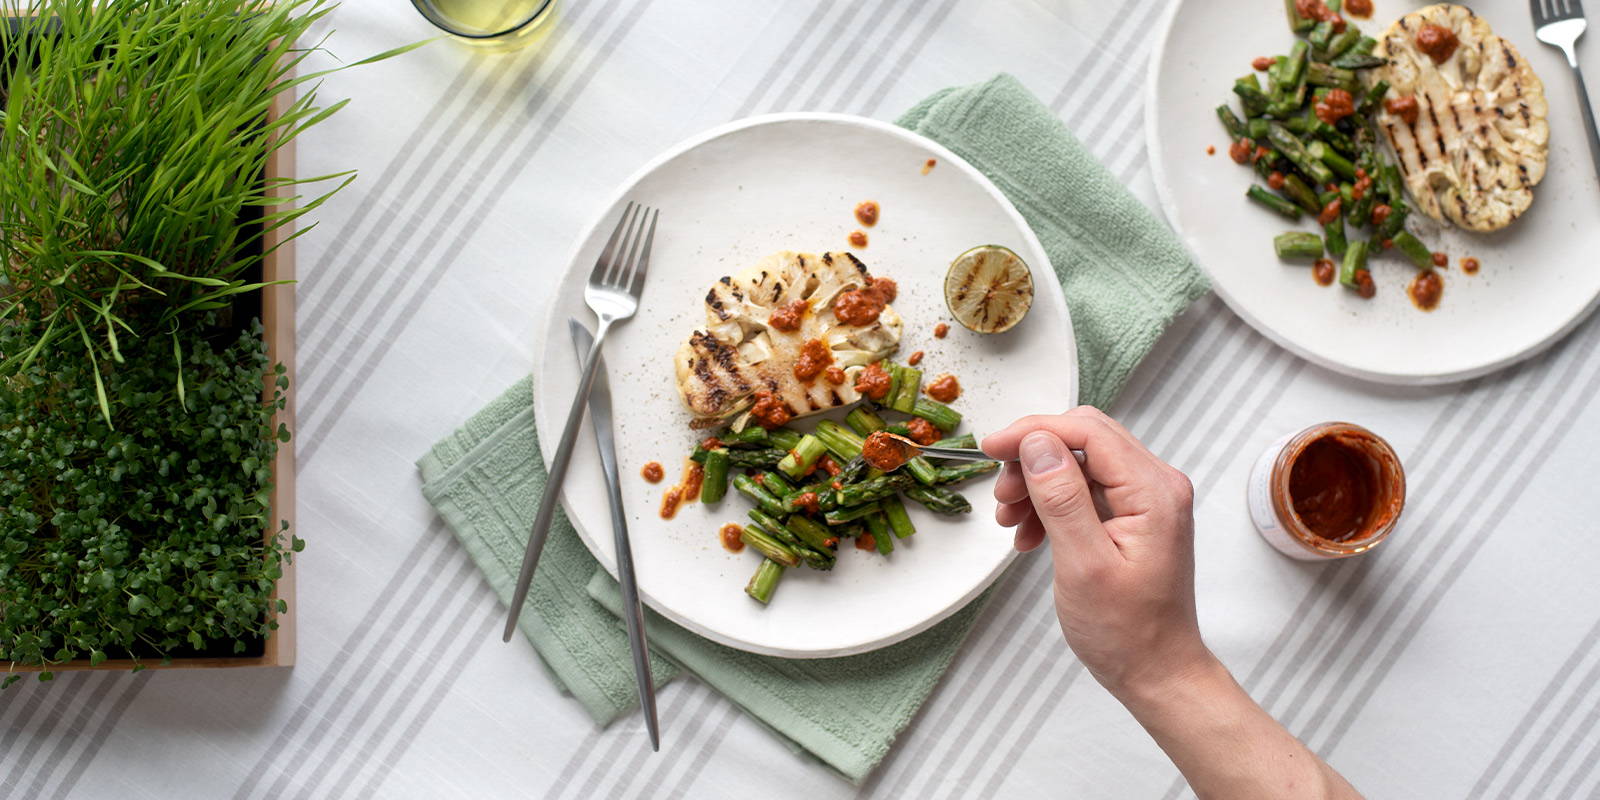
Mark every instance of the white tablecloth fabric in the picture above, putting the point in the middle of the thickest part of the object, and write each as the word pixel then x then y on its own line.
pixel 1460 660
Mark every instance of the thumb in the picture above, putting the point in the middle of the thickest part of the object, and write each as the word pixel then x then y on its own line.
pixel 1061 496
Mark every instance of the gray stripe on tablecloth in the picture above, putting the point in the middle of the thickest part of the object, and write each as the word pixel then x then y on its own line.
pixel 449 192
pixel 347 680
pixel 1139 53
pixel 770 78
pixel 75 730
pixel 480 602
pixel 1519 734
pixel 670 706
pixel 1053 698
pixel 698 765
pixel 119 706
pixel 424 287
pixel 374 687
pixel 487 608
pixel 814 59
pixel 1563 754
pixel 1587 765
pixel 98 686
pixel 685 735
pixel 902 64
pixel 37 692
pixel 1536 423
pixel 712 700
pixel 396 171
pixel 872 59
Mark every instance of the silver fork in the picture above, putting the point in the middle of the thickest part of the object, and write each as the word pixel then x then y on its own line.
pixel 613 295
pixel 1559 23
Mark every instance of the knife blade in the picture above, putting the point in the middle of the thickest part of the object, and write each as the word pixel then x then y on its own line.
pixel 632 610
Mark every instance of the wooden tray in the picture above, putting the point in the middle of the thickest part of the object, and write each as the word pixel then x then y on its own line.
pixel 277 317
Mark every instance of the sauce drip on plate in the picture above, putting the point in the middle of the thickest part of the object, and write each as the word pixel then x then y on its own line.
pixel 731 536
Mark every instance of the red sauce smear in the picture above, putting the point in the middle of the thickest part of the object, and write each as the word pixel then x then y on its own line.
pixel 1403 107
pixel 834 375
pixel 940 330
pixel 1362 184
pixel 1381 212
pixel 710 443
pixel 732 537
pixel 867 213
pixel 862 306
pixel 884 451
pixel 1366 289
pixel 1438 42
pixel 1426 289
pixel 1240 151
pixel 858 239
pixel 809 501
pixel 1359 8
pixel 1334 106
pixel 1276 180
pixel 1323 272
pixel 787 316
pixel 915 359
pixel 1333 488
pixel 1330 212
pixel 1319 11
pixel 1441 260
pixel 873 382
pixel 1211 149
pixel 1469 266
pixel 769 412
pixel 828 465
pixel 685 492
pixel 1263 63
pixel 814 358
pixel 866 542
pixel 652 472
pixel 944 388
pixel 923 432
pixel 927 166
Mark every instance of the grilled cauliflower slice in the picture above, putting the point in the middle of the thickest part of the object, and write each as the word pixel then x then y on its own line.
pixel 738 353
pixel 1479 142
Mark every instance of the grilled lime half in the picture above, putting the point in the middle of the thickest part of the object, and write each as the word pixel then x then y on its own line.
pixel 988 289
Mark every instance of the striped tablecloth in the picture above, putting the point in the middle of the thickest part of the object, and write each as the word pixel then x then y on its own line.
pixel 1460 660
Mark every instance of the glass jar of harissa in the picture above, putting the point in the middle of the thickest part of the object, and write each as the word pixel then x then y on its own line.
pixel 1333 490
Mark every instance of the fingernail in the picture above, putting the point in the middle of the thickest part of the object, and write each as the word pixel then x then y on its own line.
pixel 1041 452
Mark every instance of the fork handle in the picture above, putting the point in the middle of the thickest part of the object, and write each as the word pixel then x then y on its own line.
pixel 1588 112
pixel 552 486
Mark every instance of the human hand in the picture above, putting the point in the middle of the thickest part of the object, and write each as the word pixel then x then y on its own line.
pixel 1121 532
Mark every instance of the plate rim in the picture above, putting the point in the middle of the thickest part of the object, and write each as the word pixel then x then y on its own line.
pixel 551 308
pixel 1164 193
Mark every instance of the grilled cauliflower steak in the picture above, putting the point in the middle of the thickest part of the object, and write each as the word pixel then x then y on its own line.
pixel 1478 144
pixel 741 352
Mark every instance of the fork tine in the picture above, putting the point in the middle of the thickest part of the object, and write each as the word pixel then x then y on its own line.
pixel 604 260
pixel 637 286
pixel 619 261
pixel 625 275
pixel 1574 8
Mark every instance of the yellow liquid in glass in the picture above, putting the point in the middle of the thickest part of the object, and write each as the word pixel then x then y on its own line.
pixel 490 17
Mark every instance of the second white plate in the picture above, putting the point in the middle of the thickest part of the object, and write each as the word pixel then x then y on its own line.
pixel 1538 278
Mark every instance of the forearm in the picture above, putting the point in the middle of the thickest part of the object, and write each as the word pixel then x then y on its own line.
pixel 1224 744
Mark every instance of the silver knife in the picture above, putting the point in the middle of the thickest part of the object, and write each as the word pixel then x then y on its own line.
pixel 632 611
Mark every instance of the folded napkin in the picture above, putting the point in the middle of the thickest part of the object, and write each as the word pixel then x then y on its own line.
pixel 1125 277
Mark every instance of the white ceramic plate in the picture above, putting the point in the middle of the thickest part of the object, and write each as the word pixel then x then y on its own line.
pixel 1538 278
pixel 727 198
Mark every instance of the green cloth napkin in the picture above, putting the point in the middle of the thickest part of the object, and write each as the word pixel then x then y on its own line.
pixel 1125 276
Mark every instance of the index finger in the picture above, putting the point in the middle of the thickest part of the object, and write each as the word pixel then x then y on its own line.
pixel 1110 459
